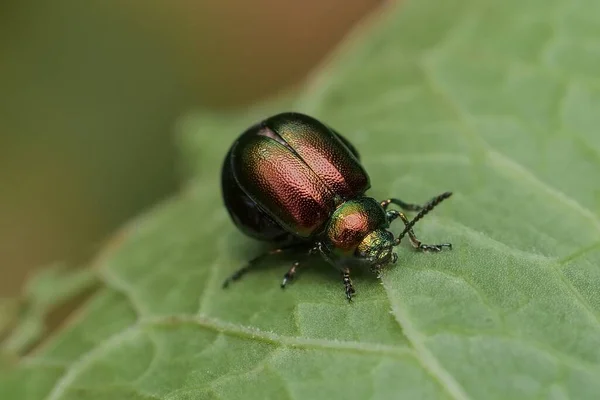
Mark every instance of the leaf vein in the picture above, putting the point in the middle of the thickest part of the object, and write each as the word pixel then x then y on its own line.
pixel 255 334
pixel 427 359
pixel 502 162
pixel 579 253
pixel 556 354
pixel 66 380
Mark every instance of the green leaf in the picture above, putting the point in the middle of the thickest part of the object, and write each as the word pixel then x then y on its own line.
pixel 496 101
pixel 53 286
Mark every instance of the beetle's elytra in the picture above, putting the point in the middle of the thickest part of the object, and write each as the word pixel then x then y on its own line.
pixel 293 181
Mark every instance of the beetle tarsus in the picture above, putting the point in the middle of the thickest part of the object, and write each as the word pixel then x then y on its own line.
pixel 348 284
pixel 434 247
pixel 290 275
pixel 416 243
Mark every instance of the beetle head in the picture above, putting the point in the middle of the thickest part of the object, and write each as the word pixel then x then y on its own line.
pixel 377 250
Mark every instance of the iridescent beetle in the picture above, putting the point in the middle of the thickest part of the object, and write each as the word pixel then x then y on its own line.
pixel 292 181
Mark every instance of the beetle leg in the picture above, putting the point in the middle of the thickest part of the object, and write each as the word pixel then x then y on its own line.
pixel 348 284
pixel 403 205
pixel 392 215
pixel 349 289
pixel 318 248
pixel 416 243
pixel 256 260
pixel 291 274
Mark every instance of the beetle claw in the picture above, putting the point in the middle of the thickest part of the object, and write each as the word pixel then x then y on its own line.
pixel 349 292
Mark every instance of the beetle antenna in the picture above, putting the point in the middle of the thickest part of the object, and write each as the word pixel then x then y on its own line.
pixel 426 209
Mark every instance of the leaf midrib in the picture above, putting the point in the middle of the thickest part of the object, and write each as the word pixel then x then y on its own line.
pixel 222 327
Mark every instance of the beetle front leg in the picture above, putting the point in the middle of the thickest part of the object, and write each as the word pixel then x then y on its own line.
pixel 348 284
pixel 402 204
pixel 416 243
pixel 348 288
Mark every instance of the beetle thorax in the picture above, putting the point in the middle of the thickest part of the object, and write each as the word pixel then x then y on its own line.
pixel 352 222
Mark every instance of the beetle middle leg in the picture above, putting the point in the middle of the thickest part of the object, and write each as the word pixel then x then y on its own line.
pixel 290 275
pixel 416 243
pixel 349 289
pixel 348 284
pixel 402 204
pixel 256 260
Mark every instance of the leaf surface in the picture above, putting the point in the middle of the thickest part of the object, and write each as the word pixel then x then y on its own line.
pixel 496 101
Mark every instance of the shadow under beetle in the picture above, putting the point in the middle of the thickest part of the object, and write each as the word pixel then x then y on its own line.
pixel 292 181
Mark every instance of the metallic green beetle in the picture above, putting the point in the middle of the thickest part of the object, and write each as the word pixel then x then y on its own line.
pixel 293 181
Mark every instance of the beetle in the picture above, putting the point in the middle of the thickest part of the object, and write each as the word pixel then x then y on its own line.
pixel 298 184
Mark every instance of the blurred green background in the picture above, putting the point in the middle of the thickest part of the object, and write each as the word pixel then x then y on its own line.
pixel 91 91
